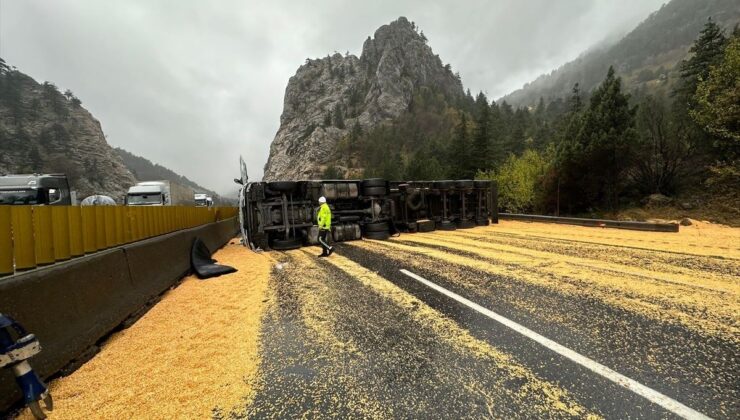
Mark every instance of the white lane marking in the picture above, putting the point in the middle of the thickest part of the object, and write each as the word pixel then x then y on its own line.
pixel 650 394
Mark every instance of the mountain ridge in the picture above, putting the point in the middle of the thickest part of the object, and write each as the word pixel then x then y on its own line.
pixel 645 57
pixel 145 170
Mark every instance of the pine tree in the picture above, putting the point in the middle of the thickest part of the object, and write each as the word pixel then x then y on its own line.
pixel 517 134
pixel 575 101
pixel 460 149
pixel 717 98
pixel 606 139
pixel 541 128
pixel 481 150
pixel 706 52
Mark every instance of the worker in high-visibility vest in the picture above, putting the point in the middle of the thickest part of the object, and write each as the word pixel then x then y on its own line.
pixel 324 220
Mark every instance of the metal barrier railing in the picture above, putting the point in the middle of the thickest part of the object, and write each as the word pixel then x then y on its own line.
pixel 33 236
pixel 617 224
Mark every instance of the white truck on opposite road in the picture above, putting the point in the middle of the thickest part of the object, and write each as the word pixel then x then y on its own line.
pixel 159 193
pixel 203 200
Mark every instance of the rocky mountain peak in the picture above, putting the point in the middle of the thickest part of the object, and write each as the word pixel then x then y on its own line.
pixel 400 34
pixel 328 97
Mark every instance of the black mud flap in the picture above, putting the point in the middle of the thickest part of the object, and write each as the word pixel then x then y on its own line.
pixel 202 263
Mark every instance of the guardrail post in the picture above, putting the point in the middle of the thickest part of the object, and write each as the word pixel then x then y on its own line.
pixel 160 220
pixel 60 227
pixel 125 222
pixel 109 221
pixel 170 219
pixel 118 215
pixel 100 242
pixel 88 229
pixel 43 235
pixel 76 232
pixel 6 242
pixel 23 247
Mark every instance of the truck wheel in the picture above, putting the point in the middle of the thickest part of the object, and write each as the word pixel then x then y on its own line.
pixel 373 182
pixel 446 225
pixel 376 227
pixel 425 225
pixel 380 236
pixel 465 224
pixel 286 244
pixel 282 186
pixel 374 191
pixel 414 200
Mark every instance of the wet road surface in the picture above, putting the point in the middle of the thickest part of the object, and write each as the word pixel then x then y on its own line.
pixel 352 336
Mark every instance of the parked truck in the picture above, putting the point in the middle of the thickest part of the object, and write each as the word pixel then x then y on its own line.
pixel 159 193
pixel 35 189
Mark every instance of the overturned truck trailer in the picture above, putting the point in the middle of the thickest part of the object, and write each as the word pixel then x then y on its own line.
pixel 282 215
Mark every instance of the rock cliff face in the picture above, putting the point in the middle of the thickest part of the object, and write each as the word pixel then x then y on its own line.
pixel 328 97
pixel 43 130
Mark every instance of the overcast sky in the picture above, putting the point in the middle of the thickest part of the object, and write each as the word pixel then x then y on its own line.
pixel 193 84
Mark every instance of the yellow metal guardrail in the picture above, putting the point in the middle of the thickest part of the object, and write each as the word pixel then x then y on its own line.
pixel 33 236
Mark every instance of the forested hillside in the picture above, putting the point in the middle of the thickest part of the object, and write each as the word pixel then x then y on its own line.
pixel 589 152
pixel 646 58
pixel 145 170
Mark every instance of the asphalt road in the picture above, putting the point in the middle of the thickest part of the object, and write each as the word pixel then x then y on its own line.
pixel 353 336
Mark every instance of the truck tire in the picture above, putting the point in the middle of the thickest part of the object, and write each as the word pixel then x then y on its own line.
pixel 286 244
pixel 373 182
pixel 374 191
pixel 282 186
pixel 376 227
pixel 414 200
pixel 425 225
pixel 465 224
pixel 443 185
pixel 446 225
pixel 380 236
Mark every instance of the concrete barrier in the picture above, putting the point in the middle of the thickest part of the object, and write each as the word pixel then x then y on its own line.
pixel 617 224
pixel 70 306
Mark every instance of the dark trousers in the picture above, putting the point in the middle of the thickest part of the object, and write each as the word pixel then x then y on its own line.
pixel 324 240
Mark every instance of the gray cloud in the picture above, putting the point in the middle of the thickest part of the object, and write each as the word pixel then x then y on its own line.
pixel 192 84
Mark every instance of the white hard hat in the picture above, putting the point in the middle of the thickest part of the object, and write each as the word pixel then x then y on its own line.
pixel 322 199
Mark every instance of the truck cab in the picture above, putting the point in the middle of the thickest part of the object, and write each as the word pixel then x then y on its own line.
pixel 201 200
pixel 35 189
pixel 150 194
